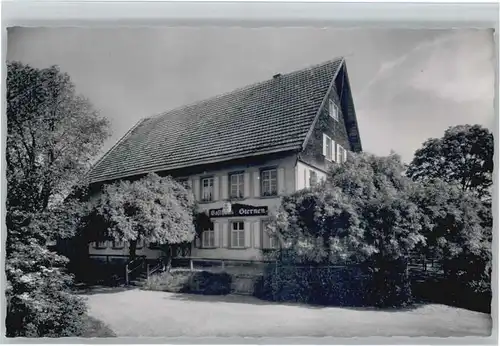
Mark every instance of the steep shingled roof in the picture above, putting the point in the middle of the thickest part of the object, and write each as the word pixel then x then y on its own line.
pixel 271 116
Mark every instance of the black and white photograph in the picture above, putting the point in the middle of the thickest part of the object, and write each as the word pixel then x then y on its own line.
pixel 225 181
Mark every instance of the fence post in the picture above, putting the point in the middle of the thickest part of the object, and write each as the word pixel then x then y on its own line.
pixel 126 274
pixel 222 264
pixel 147 271
pixel 191 267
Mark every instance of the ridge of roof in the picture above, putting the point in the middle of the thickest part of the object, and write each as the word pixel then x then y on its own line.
pixel 243 88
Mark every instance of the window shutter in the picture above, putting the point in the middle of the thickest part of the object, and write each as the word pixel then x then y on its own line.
pixel 248 233
pixel 265 238
pixel 256 235
pixel 281 181
pixel 216 188
pixel 224 184
pixel 225 235
pixel 256 184
pixel 334 151
pixel 196 188
pixel 246 182
pixel 345 155
pixel 216 234
pixel 325 139
pixel 198 241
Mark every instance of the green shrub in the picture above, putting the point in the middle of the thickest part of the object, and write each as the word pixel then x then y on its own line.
pixel 339 286
pixel 198 282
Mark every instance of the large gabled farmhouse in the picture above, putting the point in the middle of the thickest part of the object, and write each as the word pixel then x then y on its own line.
pixel 247 148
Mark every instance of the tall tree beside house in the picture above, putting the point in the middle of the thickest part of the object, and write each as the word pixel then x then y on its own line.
pixel 458 230
pixel 362 213
pixel 463 156
pixel 52 136
pixel 155 209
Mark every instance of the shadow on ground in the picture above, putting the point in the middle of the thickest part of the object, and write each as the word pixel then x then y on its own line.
pixel 243 299
pixel 90 290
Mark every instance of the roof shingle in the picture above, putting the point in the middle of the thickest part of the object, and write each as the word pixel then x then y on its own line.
pixel 271 116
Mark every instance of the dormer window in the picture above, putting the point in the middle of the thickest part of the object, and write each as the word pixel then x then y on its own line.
pixel 333 110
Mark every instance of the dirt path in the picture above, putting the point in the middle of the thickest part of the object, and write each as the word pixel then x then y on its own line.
pixel 160 314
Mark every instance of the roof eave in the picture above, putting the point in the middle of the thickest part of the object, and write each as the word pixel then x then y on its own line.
pixel 194 164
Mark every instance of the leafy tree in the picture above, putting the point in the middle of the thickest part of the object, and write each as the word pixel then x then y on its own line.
pixel 458 229
pixel 52 135
pixel 363 209
pixel 363 213
pixel 156 209
pixel 463 156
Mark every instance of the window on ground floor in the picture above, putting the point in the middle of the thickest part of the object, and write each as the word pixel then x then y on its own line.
pixel 118 244
pixel 238 234
pixel 101 244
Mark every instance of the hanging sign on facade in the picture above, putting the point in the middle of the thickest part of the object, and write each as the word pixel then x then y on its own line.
pixel 238 210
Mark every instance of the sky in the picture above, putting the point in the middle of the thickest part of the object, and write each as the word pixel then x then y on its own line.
pixel 407 85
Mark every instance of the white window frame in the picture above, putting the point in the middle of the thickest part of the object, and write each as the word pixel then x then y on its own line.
pixel 270 180
pixel 340 154
pixel 237 234
pixel 239 184
pixel 207 192
pixel 208 237
pixel 329 150
pixel 333 110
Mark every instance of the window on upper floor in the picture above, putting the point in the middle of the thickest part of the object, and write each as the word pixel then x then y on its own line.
pixel 208 236
pixel 269 182
pixel 333 110
pixel 341 154
pixel 313 178
pixel 328 148
pixel 236 185
pixel 207 189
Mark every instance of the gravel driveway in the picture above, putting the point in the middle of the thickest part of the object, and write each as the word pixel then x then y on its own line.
pixel 160 314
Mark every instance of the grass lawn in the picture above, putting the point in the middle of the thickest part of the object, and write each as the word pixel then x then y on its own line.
pixel 160 314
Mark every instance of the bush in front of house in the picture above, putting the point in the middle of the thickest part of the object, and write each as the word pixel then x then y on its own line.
pixel 338 286
pixel 361 217
pixel 185 281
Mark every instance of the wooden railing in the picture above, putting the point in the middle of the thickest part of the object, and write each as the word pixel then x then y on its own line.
pixel 132 266
pixel 151 269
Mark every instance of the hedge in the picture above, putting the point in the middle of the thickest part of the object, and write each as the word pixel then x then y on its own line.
pixel 352 285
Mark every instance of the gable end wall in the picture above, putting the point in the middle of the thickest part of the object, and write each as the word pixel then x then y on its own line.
pixel 313 152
